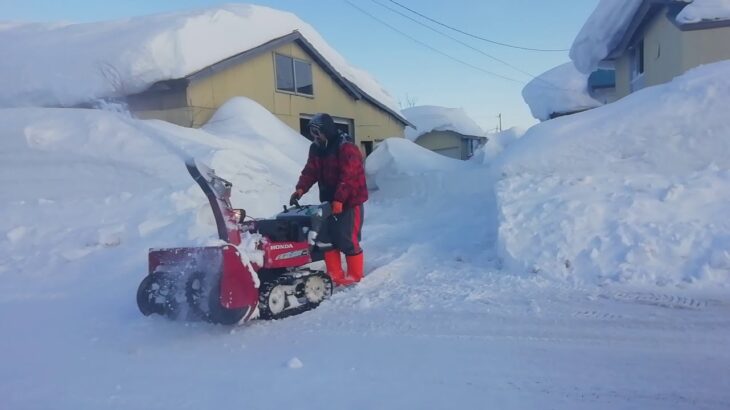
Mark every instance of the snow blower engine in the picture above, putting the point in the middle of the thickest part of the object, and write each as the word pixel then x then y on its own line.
pixel 223 283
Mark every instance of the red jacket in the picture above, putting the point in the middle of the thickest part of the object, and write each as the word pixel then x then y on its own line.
pixel 339 171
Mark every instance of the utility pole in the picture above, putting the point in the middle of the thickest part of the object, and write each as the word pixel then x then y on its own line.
pixel 500 121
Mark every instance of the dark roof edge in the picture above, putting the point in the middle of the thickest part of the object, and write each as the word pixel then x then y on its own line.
pixel 703 25
pixel 351 85
pixel 382 106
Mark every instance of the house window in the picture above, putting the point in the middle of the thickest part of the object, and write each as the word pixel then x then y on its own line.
pixel 293 75
pixel 367 146
pixel 303 77
pixel 637 66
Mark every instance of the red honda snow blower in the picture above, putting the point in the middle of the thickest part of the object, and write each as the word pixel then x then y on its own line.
pixel 224 283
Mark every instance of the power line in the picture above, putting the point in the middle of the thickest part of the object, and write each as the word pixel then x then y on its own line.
pixel 474 35
pixel 431 47
pixel 538 79
pixel 455 39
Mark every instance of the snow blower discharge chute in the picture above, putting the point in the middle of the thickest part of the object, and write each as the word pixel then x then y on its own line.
pixel 220 283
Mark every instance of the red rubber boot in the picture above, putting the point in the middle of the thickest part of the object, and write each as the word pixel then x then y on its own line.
pixel 355 267
pixel 333 262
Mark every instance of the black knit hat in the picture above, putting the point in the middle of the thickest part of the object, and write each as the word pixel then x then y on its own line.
pixel 325 124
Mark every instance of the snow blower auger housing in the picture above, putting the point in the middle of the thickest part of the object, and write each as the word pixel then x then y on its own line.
pixel 222 283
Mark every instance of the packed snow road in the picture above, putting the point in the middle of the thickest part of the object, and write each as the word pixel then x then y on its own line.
pixel 435 324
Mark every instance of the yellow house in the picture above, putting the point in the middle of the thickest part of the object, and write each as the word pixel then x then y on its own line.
pixel 451 143
pixel 287 76
pixel 443 130
pixel 659 45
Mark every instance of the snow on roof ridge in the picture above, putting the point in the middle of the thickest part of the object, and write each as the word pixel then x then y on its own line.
pixel 63 64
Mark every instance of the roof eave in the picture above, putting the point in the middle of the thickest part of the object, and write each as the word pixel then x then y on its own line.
pixel 382 106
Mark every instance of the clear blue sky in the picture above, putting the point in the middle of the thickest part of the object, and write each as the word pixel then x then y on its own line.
pixel 408 70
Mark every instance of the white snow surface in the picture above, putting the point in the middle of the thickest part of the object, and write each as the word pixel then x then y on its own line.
pixel 608 23
pixel 395 158
pixel 628 192
pixel 429 118
pixel 447 316
pixel 61 64
pixel 562 89
pixel 497 143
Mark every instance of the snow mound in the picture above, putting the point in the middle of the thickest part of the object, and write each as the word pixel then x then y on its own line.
pixel 429 118
pixel 496 144
pixel 633 191
pixel 57 64
pixel 88 188
pixel 242 118
pixel 560 90
pixel 396 158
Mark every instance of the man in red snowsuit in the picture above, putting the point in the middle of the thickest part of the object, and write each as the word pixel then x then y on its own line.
pixel 335 163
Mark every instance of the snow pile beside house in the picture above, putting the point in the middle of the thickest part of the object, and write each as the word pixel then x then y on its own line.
pixel 705 10
pixel 67 64
pixel 398 161
pixel 561 90
pixel 635 191
pixel 84 189
pixel 429 118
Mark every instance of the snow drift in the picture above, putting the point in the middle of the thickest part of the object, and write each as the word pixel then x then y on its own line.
pixel 496 144
pixel 398 161
pixel 634 191
pixel 84 188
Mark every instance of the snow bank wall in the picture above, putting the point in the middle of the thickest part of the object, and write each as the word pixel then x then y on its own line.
pixel 85 190
pixel 636 191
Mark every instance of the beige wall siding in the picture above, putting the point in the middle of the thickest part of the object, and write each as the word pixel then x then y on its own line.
pixel 669 52
pixel 623 76
pixel 256 80
pixel 705 47
pixel 662 51
pixel 444 142
pixel 180 116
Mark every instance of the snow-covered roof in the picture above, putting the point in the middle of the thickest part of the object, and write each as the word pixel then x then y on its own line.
pixel 560 90
pixel 613 21
pixel 705 10
pixel 427 118
pixel 50 64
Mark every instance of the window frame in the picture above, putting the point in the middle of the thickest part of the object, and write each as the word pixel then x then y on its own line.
pixel 637 66
pixel 293 61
